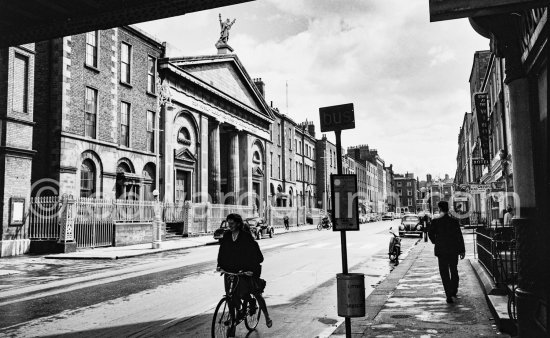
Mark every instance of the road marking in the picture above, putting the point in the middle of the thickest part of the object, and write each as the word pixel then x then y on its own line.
pixel 368 246
pixel 273 245
pixel 292 246
pixel 320 245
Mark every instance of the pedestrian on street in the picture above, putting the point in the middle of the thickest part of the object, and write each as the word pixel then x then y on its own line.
pixel 445 233
pixel 239 252
pixel 285 220
pixel 426 225
pixel 508 216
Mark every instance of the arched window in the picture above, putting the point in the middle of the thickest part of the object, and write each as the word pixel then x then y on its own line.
pixel 184 137
pixel 87 178
pixel 256 157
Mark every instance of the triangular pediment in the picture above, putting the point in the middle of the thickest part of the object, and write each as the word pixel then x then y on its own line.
pixel 184 155
pixel 226 74
pixel 257 171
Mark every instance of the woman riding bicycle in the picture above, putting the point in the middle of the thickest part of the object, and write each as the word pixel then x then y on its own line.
pixel 240 252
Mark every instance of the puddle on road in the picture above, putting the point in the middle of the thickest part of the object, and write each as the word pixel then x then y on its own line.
pixel 328 321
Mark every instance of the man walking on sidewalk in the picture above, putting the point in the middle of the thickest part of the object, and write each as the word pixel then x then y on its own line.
pixel 445 233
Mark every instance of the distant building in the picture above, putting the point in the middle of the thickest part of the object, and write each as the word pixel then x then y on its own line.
pixel 406 187
pixel 326 166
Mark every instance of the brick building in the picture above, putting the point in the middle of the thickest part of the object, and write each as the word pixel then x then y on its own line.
pixel 282 163
pixel 97 114
pixel 326 166
pixel 406 187
pixel 306 165
pixel 16 151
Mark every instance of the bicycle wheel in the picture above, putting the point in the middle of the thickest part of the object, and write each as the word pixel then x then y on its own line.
pixel 222 321
pixel 253 314
pixel 512 306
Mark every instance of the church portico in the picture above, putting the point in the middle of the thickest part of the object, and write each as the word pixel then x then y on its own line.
pixel 224 133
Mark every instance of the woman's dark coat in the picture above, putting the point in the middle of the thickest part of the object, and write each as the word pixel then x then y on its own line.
pixel 244 254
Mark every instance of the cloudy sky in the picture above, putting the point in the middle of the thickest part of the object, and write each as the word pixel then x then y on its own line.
pixel 407 77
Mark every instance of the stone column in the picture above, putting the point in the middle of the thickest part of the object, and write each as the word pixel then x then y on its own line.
pixel 234 177
pixel 214 188
pixel 202 169
pixel 245 160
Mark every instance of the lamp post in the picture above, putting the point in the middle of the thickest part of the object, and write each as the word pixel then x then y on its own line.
pixel 156 233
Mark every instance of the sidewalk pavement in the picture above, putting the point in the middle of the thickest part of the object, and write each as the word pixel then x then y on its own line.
pixel 146 249
pixel 411 302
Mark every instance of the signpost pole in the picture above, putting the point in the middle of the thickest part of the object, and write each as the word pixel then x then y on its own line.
pixel 342 233
pixel 343 244
pixel 336 118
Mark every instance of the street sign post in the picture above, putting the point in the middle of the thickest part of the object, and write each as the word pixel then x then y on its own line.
pixel 337 118
pixel 345 202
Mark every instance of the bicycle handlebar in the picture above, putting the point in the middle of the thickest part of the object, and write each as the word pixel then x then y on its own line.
pixel 240 273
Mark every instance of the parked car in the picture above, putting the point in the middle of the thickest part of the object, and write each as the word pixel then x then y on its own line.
pixel 259 227
pixel 218 233
pixel 410 225
pixel 387 216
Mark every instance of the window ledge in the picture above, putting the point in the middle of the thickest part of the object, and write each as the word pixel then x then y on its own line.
pixel 92 68
pixel 151 93
pixel 125 84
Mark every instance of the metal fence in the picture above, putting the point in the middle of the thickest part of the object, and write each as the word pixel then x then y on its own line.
pixel 496 251
pixel 94 219
pixel 43 220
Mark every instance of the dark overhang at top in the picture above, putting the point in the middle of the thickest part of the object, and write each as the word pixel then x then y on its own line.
pixel 24 21
pixel 455 9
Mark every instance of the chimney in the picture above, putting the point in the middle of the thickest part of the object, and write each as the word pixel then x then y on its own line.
pixel 428 177
pixel 260 85
pixel 311 129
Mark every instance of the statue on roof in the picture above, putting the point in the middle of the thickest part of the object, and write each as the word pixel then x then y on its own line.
pixel 225 26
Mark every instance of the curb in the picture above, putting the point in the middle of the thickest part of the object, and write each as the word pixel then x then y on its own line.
pixel 496 300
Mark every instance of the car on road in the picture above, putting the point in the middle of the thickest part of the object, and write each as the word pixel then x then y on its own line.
pixel 387 216
pixel 411 225
pixel 218 233
pixel 259 227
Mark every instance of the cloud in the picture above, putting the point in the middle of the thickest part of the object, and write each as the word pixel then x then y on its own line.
pixel 407 77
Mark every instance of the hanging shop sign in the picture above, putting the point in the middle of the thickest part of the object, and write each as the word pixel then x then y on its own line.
pixel 498 186
pixel 479 188
pixel 456 9
pixel 479 161
pixel 480 102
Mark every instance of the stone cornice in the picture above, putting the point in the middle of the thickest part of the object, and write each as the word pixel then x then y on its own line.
pixel 16 120
pixel 180 72
pixel 18 152
pixel 68 170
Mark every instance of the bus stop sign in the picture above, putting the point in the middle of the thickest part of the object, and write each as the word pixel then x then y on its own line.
pixel 345 215
pixel 337 117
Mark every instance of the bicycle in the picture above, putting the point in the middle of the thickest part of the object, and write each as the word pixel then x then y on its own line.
pixel 227 316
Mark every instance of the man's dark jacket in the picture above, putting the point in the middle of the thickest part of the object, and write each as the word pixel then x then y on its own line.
pixel 243 254
pixel 445 233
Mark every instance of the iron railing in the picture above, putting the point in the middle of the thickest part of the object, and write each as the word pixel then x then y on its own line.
pixel 496 251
